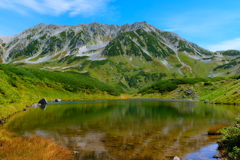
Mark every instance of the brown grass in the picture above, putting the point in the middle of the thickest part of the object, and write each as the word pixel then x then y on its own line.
pixel 215 130
pixel 34 148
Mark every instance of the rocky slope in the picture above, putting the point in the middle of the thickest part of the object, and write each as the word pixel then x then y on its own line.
pixel 129 56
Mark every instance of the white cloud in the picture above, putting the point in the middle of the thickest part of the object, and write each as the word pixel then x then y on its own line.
pixel 226 45
pixel 57 7
pixel 200 23
pixel 171 29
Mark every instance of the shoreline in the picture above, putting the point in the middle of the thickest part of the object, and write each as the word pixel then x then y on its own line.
pixel 23 109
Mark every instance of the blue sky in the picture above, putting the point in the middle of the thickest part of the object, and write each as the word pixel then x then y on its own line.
pixel 211 24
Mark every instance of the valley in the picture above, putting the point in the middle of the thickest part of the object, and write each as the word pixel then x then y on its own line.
pixel 98 61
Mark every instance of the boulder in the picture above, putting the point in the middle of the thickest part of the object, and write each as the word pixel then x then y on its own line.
pixel 43 101
pixel 57 100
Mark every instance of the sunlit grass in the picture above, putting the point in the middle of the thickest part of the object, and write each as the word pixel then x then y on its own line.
pixel 215 130
pixel 34 148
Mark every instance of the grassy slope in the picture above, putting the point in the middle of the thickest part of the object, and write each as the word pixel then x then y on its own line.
pixel 226 91
pixel 216 90
pixel 21 86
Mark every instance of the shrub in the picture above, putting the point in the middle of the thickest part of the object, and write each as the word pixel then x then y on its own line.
pixel 171 84
pixel 230 141
pixel 160 87
pixel 207 83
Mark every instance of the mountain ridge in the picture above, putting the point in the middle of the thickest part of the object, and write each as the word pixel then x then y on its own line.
pixel 130 56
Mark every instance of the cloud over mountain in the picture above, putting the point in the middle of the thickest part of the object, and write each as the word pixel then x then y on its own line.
pixel 57 7
pixel 226 45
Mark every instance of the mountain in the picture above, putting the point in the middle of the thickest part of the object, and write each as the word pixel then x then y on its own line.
pixel 129 57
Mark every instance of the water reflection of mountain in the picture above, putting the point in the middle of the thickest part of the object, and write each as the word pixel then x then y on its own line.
pixel 133 127
pixel 69 114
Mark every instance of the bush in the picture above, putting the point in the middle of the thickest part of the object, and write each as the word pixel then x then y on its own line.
pixel 235 77
pixel 230 141
pixel 160 87
pixel 207 83
pixel 171 84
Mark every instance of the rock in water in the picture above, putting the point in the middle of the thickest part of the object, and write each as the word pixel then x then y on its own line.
pixel 176 158
pixel 58 100
pixel 43 101
pixel 217 156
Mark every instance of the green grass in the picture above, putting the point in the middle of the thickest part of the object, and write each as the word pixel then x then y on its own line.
pixel 200 69
pixel 213 90
pixel 231 53
pixel 23 86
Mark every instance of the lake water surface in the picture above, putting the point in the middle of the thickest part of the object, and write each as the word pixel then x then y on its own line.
pixel 128 129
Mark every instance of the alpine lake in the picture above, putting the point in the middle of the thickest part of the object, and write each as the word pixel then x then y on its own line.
pixel 130 129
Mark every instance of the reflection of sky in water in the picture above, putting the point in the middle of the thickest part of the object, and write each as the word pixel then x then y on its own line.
pixel 206 153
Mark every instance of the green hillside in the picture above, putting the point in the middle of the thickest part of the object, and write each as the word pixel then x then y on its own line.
pixel 213 90
pixel 23 86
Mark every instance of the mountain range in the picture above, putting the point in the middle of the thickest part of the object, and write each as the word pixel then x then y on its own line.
pixel 129 57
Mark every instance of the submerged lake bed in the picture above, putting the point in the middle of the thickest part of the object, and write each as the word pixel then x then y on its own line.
pixel 128 129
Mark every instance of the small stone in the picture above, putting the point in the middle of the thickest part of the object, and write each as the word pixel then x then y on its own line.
pixel 2 121
pixel 75 152
pixel 35 105
pixel 58 100
pixel 176 158
pixel 217 156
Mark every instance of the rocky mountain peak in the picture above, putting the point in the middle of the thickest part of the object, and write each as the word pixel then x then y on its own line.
pixel 128 56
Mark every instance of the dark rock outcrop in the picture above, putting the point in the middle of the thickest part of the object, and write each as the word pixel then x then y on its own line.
pixel 43 101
